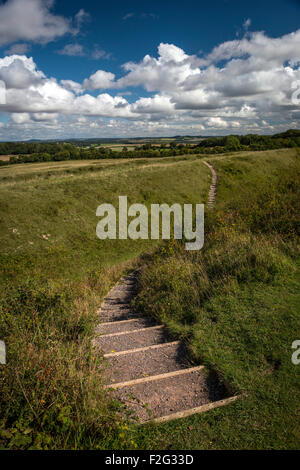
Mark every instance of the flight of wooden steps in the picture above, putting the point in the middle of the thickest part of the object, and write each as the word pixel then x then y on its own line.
pixel 148 371
pixel 213 186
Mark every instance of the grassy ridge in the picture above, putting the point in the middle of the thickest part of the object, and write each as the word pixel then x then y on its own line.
pixel 237 305
pixel 54 274
pixel 48 219
pixel 236 302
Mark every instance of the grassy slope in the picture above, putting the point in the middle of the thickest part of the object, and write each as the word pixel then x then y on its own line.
pixel 237 305
pixel 60 200
pixel 54 273
pixel 53 395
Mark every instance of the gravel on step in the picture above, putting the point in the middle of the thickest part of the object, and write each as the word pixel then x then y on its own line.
pixel 146 363
pixel 165 396
pixel 132 340
pixel 118 327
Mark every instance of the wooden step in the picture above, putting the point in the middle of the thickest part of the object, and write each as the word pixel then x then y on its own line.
pixel 137 350
pixel 152 378
pixel 193 411
pixel 145 362
pixel 123 325
pixel 147 371
pixel 163 396
pixel 131 339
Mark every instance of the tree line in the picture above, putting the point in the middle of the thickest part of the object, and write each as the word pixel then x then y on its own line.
pixel 30 152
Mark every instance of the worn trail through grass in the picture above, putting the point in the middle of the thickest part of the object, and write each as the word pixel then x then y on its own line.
pixel 148 371
pixel 213 187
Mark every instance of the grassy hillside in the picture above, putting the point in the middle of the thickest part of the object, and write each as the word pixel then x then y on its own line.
pixel 48 211
pixel 235 302
pixel 54 273
pixel 237 306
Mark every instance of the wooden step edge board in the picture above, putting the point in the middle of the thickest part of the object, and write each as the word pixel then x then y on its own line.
pixel 193 411
pixel 144 348
pixel 120 321
pixel 133 331
pixel 153 378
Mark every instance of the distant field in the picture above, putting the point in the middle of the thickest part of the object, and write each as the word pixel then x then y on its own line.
pixel 166 142
pixel 118 147
pixel 5 158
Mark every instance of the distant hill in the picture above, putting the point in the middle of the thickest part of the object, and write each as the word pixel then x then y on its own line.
pixel 288 134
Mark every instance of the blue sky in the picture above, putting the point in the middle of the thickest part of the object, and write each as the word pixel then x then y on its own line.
pixel 202 68
pixel 192 25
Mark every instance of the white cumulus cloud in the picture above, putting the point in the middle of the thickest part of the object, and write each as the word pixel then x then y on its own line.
pixel 99 80
pixel 32 20
pixel 244 85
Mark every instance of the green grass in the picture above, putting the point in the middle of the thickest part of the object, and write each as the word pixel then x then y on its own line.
pixel 54 274
pixel 48 212
pixel 235 302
